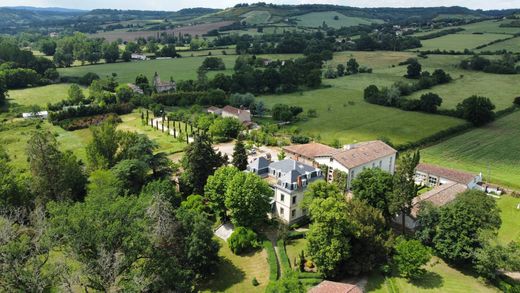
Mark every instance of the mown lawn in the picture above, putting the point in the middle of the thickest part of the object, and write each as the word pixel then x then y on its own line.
pixel 235 273
pixel 510 215
pixel 459 42
pixel 40 96
pixel 316 19
pixel 439 278
pixel 294 248
pixel 167 143
pixel 493 150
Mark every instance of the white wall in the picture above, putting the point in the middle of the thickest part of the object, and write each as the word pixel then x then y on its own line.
pixel 287 205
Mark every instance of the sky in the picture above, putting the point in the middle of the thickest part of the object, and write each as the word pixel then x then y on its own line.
pixel 173 5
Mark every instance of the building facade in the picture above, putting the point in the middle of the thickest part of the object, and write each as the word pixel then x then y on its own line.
pixel 289 179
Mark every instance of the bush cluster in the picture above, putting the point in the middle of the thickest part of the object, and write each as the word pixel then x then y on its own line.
pixel 243 240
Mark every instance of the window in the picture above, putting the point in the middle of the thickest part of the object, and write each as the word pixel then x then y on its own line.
pixel 373 164
pixel 293 213
pixel 281 212
pixel 432 181
pixel 282 197
pixel 380 164
pixel 390 165
pixel 294 199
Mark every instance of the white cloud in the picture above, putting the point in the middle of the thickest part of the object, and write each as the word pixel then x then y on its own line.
pixel 178 4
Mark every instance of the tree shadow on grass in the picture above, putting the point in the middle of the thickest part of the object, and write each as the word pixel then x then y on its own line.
pixel 227 275
pixel 430 280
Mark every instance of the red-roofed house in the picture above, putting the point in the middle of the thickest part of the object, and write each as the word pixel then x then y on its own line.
pixel 240 114
pixel 335 287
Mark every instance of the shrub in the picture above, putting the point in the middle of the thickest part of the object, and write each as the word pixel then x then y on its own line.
pixel 517 101
pixel 254 282
pixel 242 240
pixel 296 235
pixel 88 78
pixel 300 139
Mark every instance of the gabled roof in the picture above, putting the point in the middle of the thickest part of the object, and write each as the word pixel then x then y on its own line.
pixel 213 108
pixel 438 196
pixel 232 110
pixel 450 174
pixel 335 287
pixel 311 150
pixel 363 153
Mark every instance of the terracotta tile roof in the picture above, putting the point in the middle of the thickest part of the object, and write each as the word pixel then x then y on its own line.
pixel 231 110
pixel 438 196
pixel 450 174
pixel 310 150
pixel 363 153
pixel 335 287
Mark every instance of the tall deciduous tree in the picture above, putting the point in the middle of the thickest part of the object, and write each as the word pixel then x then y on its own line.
pixel 410 258
pixel 477 110
pixel 374 186
pixel 101 151
pixel 414 69
pixel 240 155
pixel 460 225
pixel 247 200
pixel 405 189
pixel 329 235
pixel 216 188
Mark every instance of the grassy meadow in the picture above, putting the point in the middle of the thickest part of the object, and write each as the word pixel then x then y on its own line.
pixel 512 45
pixel 493 150
pixel 40 96
pixel 256 17
pixel 460 41
pixel 316 19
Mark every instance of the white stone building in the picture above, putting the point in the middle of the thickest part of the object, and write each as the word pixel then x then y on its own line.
pixel 289 179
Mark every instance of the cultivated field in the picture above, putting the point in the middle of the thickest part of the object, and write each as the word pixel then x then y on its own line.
pixel 40 96
pixel 256 17
pixel 493 150
pixel 194 30
pixel 459 42
pixel 316 19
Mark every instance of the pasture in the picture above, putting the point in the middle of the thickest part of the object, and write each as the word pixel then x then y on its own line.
pixel 344 115
pixel 439 277
pixel 316 19
pixel 512 45
pixel 460 41
pixel 40 96
pixel 493 150
pixel 178 69
pixel 490 27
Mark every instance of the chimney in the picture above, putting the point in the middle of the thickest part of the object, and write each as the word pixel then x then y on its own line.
pixel 347 147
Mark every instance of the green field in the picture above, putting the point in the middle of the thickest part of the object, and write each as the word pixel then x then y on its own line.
pixel 493 150
pixel 294 248
pixel 472 83
pixel 490 26
pixel 344 115
pixel 316 19
pixel 179 68
pixel 439 277
pixel 512 45
pixel 510 215
pixel 459 42
pixel 40 96
pixel 235 273
pixel 256 17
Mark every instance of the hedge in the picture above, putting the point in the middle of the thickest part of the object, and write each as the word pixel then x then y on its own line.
pixel 311 282
pixel 183 99
pixel 309 275
pixel 284 259
pixel 296 235
pixel 85 111
pixel 271 259
pixel 435 137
